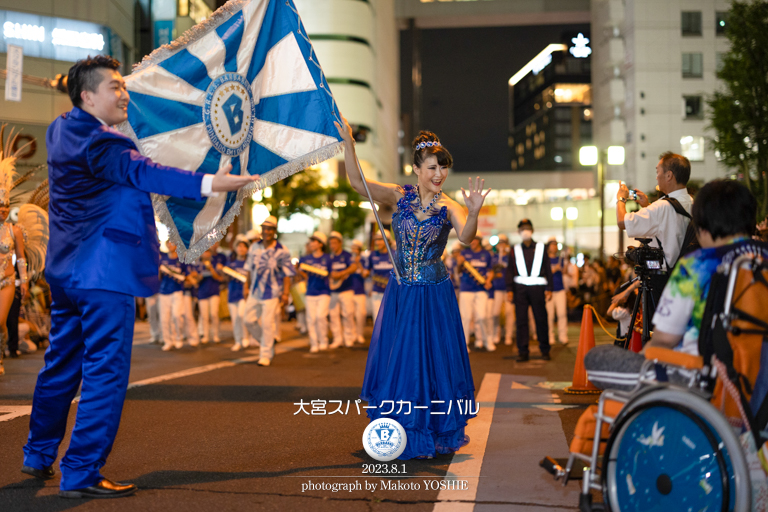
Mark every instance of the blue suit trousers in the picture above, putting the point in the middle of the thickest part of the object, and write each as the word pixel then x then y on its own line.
pixel 90 342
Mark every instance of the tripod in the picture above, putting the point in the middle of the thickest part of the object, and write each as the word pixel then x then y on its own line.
pixel 649 306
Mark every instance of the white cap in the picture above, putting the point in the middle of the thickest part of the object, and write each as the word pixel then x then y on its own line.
pixel 270 221
pixel 457 246
pixel 357 243
pixel 254 234
pixel 503 238
pixel 336 234
pixel 320 237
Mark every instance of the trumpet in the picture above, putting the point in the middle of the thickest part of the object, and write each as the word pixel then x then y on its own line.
pixel 474 273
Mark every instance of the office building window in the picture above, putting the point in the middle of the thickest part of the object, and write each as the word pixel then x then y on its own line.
pixel 691 23
pixel 693 65
pixel 720 21
pixel 693 107
pixel 692 148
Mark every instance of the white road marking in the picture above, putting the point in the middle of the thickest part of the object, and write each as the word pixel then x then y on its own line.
pixel 470 462
pixel 9 412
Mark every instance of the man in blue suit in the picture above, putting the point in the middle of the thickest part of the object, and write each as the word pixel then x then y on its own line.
pixel 103 251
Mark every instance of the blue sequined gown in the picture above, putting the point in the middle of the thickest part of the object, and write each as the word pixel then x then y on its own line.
pixel 418 353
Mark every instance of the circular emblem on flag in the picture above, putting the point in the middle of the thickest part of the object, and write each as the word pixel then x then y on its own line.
pixel 384 439
pixel 228 113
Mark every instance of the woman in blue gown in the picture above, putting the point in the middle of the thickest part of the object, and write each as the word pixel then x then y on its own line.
pixel 418 370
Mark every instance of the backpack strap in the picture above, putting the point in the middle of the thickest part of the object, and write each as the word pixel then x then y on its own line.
pixel 677 206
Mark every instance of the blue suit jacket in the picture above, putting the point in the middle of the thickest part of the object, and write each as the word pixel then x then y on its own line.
pixel 102 224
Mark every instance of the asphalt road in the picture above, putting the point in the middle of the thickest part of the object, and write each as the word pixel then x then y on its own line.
pixel 207 429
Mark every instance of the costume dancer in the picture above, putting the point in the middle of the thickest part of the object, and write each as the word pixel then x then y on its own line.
pixel 418 353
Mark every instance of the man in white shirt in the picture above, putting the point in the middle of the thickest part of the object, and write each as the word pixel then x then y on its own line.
pixel 659 221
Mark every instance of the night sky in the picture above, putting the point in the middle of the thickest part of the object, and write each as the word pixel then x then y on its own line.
pixel 465 92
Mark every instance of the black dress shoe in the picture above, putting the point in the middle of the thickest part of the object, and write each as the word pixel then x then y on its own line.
pixel 522 358
pixel 546 357
pixel 42 474
pixel 104 489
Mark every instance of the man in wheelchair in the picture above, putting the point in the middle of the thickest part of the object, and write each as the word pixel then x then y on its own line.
pixel 681 426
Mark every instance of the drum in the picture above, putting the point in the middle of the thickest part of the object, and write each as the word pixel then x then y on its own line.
pixel 670 449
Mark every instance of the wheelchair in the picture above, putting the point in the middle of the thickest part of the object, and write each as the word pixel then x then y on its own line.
pixel 664 447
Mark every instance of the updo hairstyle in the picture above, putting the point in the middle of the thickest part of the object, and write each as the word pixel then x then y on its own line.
pixel 420 154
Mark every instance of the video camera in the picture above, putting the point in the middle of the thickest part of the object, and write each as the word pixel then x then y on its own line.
pixel 646 258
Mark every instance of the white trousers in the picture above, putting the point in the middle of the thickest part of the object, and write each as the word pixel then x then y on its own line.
pixel 361 313
pixel 342 311
pixel 237 315
pixel 495 306
pixel 473 306
pixel 558 305
pixel 153 316
pixel 171 316
pixel 278 324
pixel 317 307
pixel 209 317
pixel 260 320
pixel 190 327
pixel 376 298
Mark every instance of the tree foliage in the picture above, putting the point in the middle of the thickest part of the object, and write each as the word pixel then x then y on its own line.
pixel 739 112
pixel 301 193
pixel 350 216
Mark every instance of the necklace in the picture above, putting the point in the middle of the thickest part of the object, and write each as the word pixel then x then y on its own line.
pixel 429 206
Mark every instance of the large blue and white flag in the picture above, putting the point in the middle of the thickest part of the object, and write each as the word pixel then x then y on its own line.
pixel 243 87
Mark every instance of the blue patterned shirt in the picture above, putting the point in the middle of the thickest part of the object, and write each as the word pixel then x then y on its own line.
pixel 268 268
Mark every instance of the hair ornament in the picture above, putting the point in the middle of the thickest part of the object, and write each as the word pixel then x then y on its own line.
pixel 422 145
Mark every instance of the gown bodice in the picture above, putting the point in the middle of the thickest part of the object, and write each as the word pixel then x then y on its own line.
pixel 420 244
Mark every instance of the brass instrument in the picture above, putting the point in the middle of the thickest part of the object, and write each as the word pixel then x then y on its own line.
pixel 306 267
pixel 175 275
pixel 234 274
pixel 474 273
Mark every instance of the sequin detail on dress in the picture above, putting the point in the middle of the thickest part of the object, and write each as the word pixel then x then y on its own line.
pixel 420 244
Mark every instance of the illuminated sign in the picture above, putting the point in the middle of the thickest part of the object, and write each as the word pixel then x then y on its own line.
pixel 54 38
pixel 580 50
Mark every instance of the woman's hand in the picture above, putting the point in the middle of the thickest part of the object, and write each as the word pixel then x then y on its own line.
pixel 474 200
pixel 24 291
pixel 345 131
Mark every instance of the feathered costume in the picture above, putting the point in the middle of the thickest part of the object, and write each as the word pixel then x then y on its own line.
pixel 33 221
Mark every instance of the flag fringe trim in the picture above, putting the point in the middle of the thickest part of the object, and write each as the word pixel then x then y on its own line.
pixel 188 255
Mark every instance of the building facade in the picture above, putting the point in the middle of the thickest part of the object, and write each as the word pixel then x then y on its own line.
pixel 654 64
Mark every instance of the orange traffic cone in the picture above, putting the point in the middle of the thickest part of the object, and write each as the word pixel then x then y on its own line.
pixel 636 343
pixel 581 385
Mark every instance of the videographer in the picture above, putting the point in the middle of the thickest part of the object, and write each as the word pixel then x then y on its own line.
pixel 724 216
pixel 660 221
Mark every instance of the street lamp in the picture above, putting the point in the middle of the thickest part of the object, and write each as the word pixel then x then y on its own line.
pixel 590 155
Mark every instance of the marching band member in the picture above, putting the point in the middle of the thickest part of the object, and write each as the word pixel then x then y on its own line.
pixel 236 293
pixel 474 265
pixel 208 295
pixel 380 268
pixel 498 300
pixel 559 302
pixel 529 277
pixel 270 270
pixel 358 287
pixel 171 298
pixel 189 296
pixel 315 266
pixel 342 296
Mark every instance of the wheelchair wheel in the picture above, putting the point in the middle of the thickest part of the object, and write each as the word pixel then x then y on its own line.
pixel 671 450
